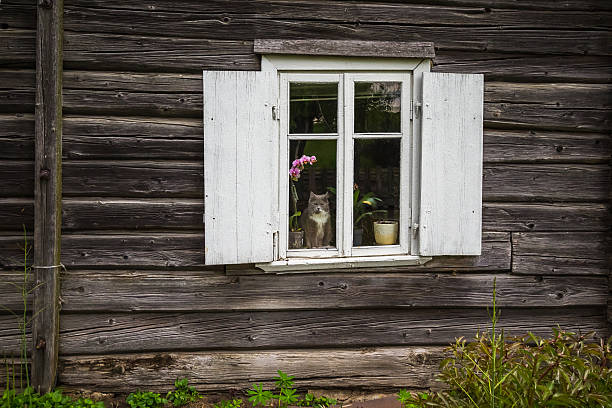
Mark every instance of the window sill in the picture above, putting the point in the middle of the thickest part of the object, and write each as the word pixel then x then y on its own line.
pixel 313 264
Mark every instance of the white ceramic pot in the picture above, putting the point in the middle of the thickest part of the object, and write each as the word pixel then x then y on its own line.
pixel 385 232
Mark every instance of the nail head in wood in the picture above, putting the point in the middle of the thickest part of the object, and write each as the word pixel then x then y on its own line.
pixel 41 343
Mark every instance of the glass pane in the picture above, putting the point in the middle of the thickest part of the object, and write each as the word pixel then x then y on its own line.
pixel 312 194
pixel 376 192
pixel 377 107
pixel 313 107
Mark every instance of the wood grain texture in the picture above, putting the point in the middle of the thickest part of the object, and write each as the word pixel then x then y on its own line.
pixel 545 217
pixel 185 250
pixel 531 146
pixel 18 48
pixel 17 178
pixel 180 179
pixel 131 103
pixel 132 138
pixel 17 136
pixel 18 14
pixel 116 251
pixel 241 167
pixel 17 91
pixel 95 137
pixel 10 336
pixel 552 106
pixel 124 291
pixel 385 49
pixel 10 288
pixel 451 165
pixel 479 6
pixel 133 179
pixel 146 332
pixel 218 370
pixel 552 182
pixel 353 12
pixel 525 67
pixel 47 194
pixel 289 21
pixel 186 214
pixel 151 53
pixel 137 215
pixel 561 253
pixel 16 214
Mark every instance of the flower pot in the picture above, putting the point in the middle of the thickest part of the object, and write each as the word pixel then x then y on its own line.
pixel 296 239
pixel 385 232
pixel 357 236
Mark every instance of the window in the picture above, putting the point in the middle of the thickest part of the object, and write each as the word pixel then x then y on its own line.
pixel 355 199
pixel 385 159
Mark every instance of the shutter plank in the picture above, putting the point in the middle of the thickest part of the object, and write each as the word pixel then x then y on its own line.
pixel 240 162
pixel 451 164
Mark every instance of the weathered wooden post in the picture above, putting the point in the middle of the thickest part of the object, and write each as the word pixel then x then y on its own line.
pixel 47 192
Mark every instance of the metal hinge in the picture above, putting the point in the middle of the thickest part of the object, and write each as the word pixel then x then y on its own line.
pixel 415 229
pixel 275 254
pixel 415 109
pixel 275 113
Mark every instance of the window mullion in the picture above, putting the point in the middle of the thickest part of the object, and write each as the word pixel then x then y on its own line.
pixel 347 137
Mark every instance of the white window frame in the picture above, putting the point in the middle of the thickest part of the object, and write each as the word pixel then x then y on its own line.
pixel 346 71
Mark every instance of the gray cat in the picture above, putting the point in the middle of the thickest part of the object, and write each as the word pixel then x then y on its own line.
pixel 316 221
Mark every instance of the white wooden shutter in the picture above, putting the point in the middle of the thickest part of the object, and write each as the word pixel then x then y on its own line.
pixel 451 164
pixel 240 166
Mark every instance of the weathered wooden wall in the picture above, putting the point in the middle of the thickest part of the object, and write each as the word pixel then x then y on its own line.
pixel 140 308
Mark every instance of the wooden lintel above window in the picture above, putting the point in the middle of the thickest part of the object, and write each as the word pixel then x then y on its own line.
pixel 348 48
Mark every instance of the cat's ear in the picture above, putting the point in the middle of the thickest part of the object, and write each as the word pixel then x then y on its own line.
pixel 312 195
pixel 326 195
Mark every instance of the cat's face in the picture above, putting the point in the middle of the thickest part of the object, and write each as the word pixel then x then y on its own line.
pixel 318 203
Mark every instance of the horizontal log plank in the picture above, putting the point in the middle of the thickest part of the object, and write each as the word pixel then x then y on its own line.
pixel 154 82
pixel 17 178
pixel 18 14
pixel 596 96
pixel 87 137
pixel 529 116
pixel 16 136
pixel 132 138
pixel 584 107
pixel 552 182
pixel 11 342
pixel 502 182
pixel 525 38
pixel 568 253
pixel 542 146
pixel 133 179
pixel 17 89
pixel 525 68
pixel 545 217
pixel 131 103
pixel 337 12
pixel 16 214
pixel 125 291
pixel 145 332
pixel 186 250
pixel 11 282
pixel 219 370
pixel 248 5
pixel 156 53
pixel 100 214
pixel 186 214
pixel 18 48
